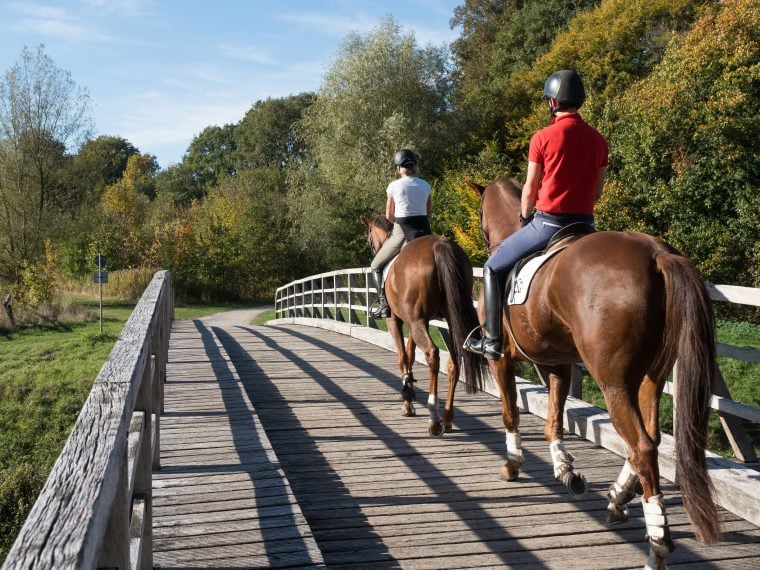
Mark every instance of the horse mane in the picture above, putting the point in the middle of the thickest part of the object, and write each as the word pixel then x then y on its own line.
pixel 511 186
pixel 383 222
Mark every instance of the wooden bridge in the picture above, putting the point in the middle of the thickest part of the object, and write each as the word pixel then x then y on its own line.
pixel 226 445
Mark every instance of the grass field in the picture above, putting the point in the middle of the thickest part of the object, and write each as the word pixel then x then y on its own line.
pixel 47 372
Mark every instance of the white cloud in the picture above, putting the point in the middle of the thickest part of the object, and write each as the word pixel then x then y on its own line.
pixel 333 25
pixel 58 23
pixel 247 53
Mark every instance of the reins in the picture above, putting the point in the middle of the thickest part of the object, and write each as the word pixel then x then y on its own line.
pixel 489 246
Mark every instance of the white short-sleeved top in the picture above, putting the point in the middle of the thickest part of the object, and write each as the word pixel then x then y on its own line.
pixel 410 195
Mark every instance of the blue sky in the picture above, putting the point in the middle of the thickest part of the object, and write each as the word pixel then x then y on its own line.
pixel 159 72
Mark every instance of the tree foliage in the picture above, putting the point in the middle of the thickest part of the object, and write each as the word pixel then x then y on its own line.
pixel 381 93
pixel 267 135
pixel 42 114
pixel 687 150
pixel 500 39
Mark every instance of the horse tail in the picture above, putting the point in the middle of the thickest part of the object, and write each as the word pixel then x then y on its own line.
pixel 453 270
pixel 689 340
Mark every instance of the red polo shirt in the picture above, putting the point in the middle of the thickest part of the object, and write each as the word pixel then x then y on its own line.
pixel 571 152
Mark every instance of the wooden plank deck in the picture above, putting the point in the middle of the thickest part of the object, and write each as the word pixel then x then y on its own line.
pixel 284 447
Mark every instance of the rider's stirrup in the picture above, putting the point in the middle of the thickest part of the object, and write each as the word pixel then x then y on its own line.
pixel 382 311
pixel 485 346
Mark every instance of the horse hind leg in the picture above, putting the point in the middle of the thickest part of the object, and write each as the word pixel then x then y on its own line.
pixel 419 332
pixel 628 485
pixel 452 370
pixel 622 492
pixel 628 421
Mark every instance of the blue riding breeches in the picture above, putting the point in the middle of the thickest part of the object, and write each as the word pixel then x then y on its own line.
pixel 530 239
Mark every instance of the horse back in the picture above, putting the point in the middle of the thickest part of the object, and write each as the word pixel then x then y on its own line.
pixel 590 299
pixel 414 281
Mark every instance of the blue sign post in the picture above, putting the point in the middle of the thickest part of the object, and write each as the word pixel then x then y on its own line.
pixel 100 277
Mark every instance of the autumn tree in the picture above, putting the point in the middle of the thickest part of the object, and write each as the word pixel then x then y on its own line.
pixel 497 40
pixel 686 147
pixel 98 163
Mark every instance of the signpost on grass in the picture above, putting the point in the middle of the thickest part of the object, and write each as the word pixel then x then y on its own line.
pixel 100 276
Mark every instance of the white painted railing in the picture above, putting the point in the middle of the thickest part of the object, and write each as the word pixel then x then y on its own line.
pixel 335 301
pixel 95 508
pixel 345 294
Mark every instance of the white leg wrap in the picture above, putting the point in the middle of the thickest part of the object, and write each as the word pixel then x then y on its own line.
pixel 432 405
pixel 514 447
pixel 654 517
pixel 562 459
pixel 625 481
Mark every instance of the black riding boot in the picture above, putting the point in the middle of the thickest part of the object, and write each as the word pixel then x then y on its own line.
pixel 489 345
pixel 382 310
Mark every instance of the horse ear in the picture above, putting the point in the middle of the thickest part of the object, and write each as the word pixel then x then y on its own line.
pixel 366 221
pixel 475 186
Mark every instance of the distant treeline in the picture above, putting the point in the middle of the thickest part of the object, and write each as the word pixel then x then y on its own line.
pixel 673 84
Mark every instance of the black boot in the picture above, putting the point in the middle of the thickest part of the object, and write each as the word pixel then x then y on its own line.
pixel 489 345
pixel 382 310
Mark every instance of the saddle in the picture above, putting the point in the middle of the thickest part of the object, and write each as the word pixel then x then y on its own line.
pixel 521 276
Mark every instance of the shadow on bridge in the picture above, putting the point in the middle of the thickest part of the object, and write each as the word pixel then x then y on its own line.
pixel 274 408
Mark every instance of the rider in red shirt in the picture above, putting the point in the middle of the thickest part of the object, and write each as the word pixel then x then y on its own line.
pixel 567 164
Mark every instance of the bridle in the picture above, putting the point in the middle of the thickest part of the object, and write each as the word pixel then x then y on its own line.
pixel 489 246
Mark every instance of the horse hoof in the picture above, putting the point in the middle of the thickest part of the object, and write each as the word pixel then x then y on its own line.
pixel 510 471
pixel 436 429
pixel 408 412
pixel 448 428
pixel 575 483
pixel 656 561
pixel 616 514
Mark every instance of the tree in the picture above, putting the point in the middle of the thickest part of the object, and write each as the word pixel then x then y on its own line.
pixel 212 155
pixel 381 93
pixel 686 147
pixel 499 39
pixel 43 113
pixel 99 163
pixel 612 47
pixel 267 134
pixel 178 182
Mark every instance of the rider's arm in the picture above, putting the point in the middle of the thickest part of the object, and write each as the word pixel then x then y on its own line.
pixel 530 189
pixel 600 183
pixel 429 205
pixel 390 208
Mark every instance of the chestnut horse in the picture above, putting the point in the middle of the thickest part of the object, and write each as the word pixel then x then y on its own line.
pixel 630 307
pixel 430 278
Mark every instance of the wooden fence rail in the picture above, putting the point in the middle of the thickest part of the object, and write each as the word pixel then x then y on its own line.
pixel 95 508
pixel 342 295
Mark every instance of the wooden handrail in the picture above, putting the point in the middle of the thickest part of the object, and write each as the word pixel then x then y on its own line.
pixel 95 508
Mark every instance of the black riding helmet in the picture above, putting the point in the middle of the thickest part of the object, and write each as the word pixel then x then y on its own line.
pixel 405 158
pixel 566 87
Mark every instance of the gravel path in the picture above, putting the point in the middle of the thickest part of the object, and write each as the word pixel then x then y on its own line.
pixel 234 318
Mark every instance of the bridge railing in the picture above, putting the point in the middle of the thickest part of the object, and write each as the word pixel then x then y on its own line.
pixel 95 508
pixel 346 294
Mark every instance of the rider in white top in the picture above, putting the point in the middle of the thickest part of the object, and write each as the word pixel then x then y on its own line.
pixel 410 196
pixel 408 206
